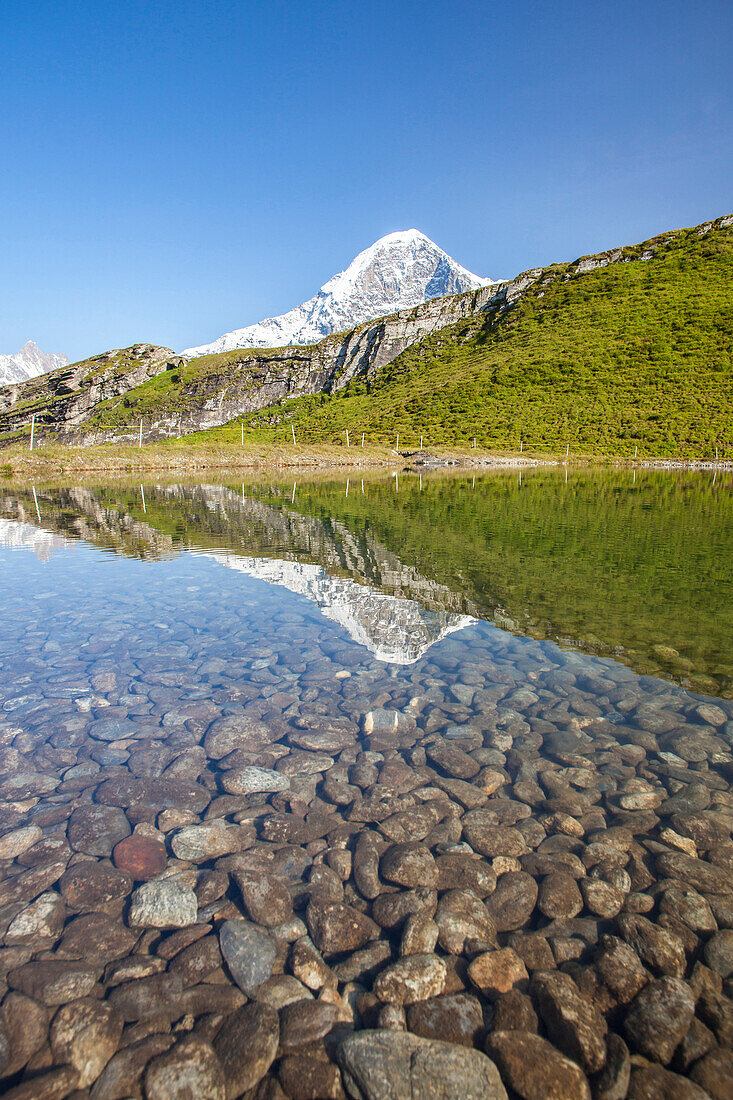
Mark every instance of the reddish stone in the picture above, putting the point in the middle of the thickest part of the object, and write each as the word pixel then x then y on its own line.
pixel 140 856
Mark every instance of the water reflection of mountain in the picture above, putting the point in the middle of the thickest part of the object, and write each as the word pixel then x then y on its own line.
pixel 16 535
pixel 636 568
pixel 396 629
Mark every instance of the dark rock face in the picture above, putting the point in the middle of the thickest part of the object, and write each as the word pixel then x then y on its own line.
pixel 337 928
pixel 246 1046
pixel 659 1018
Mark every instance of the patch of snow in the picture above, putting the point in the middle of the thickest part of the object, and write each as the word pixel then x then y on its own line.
pixel 27 363
pixel 398 271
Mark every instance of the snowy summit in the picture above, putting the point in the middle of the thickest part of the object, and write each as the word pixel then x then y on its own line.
pixel 27 363
pixel 398 271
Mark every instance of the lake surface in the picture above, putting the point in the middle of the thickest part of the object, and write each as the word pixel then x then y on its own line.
pixel 363 715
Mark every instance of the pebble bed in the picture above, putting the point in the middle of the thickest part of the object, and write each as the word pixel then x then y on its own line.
pixel 239 857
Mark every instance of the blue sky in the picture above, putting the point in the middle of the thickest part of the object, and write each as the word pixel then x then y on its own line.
pixel 173 169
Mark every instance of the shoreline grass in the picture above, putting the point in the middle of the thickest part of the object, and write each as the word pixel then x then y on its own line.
pixel 181 458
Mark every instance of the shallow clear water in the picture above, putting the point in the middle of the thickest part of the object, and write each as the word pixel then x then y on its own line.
pixel 351 637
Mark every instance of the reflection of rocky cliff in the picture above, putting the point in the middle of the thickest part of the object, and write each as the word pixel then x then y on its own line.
pixel 395 630
pixel 354 580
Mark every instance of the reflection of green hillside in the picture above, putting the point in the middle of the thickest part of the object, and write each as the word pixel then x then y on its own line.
pixel 613 566
pixel 620 566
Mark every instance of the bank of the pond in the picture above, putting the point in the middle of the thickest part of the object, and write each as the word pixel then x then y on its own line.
pixel 182 458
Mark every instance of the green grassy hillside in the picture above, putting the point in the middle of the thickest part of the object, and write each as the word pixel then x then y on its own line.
pixel 637 353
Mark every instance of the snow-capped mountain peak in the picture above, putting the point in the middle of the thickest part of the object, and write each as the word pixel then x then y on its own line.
pixel 398 271
pixel 27 363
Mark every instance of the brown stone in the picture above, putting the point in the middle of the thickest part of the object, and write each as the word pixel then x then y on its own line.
pixel 559 896
pixel 140 856
pixel 414 978
pixel 409 865
pixel 266 900
pixel 24 1022
pixel 190 1069
pixel 660 949
pixel 654 1083
pixel 534 1069
pixel 305 1022
pixel 246 1046
pixel 513 901
pixel 454 1018
pixel 513 1011
pixel 85 1034
pixel 464 921
pixel 659 1017
pixel 714 1073
pixel 497 972
pixel 52 981
pixel 91 886
pixel 307 1078
pixel 572 1021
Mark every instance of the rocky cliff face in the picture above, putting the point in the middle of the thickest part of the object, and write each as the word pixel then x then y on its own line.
pixel 397 272
pixel 63 399
pixel 27 363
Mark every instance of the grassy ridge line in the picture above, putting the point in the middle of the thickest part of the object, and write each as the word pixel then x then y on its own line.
pixel 632 355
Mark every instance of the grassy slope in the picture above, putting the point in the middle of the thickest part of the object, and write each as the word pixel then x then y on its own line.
pixel 636 353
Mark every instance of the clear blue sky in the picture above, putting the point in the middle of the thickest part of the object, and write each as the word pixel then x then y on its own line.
pixel 173 169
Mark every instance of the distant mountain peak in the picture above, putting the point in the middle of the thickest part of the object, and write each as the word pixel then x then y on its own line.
pixel 398 271
pixel 27 363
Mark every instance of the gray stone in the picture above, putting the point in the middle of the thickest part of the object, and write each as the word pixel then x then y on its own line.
pixel 85 1034
pixel 190 1071
pixel 163 903
pixel 249 952
pixel 95 829
pixel 251 780
pixel 200 843
pixel 15 843
pixel 391 1065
